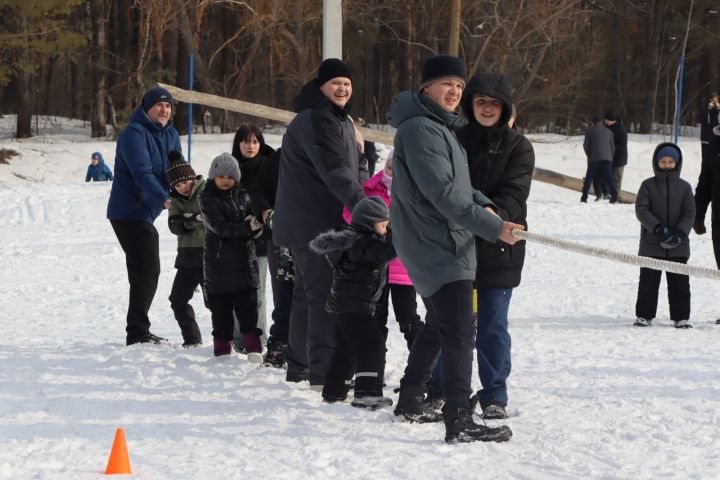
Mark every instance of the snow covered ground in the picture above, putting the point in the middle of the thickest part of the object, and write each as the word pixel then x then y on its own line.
pixel 590 396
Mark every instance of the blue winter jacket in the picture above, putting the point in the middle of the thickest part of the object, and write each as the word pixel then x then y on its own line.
pixel 99 172
pixel 140 187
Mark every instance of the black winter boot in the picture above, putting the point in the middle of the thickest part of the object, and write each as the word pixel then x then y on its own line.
pixel 411 406
pixel 275 356
pixel 461 428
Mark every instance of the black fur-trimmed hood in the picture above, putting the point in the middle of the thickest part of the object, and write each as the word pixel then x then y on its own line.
pixel 333 240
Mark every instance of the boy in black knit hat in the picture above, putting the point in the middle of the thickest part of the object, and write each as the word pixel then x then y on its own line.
pixel 185 221
pixel 359 256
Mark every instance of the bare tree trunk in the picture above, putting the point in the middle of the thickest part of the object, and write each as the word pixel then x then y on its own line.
pixel 98 117
pixel 454 47
pixel 23 103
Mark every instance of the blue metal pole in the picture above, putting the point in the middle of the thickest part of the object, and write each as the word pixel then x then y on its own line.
pixel 679 99
pixel 190 112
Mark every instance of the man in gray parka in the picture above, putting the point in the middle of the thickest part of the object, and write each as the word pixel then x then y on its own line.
pixel 435 215
pixel 599 146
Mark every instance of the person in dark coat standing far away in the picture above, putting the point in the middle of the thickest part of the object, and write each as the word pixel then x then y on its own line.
pixel 140 191
pixel 320 171
pixel 501 165
pixel 435 215
pixel 599 146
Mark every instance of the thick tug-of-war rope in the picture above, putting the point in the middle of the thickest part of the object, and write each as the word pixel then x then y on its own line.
pixel 646 262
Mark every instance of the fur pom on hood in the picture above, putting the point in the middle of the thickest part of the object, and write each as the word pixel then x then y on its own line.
pixel 333 240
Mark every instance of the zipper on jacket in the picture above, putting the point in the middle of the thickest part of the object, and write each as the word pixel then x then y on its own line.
pixel 667 204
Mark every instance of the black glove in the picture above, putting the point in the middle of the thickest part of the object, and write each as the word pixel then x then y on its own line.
pixel 673 241
pixel 663 230
pixel 699 227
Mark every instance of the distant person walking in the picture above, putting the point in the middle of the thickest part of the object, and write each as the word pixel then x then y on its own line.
pixel 139 194
pixel 599 146
pixel 97 170
pixel 320 171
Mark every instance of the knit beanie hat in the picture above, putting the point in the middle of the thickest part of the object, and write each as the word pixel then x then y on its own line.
pixel 155 95
pixel 610 115
pixel 369 211
pixel 179 170
pixel 668 151
pixel 225 164
pixel 441 66
pixel 331 68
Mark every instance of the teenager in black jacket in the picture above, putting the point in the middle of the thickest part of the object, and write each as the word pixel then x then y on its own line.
pixel 359 256
pixel 230 268
pixel 501 163
pixel 251 151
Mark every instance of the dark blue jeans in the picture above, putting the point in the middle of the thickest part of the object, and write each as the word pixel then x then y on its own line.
pixel 602 171
pixel 493 344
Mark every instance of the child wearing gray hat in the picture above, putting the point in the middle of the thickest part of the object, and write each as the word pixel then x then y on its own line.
pixel 229 260
pixel 359 255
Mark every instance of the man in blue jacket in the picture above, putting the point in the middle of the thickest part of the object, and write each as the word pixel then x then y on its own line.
pixel 139 194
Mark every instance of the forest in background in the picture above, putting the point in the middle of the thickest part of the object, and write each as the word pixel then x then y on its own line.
pixel 566 59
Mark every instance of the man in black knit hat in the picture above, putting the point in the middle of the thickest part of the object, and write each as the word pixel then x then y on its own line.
pixel 436 215
pixel 320 172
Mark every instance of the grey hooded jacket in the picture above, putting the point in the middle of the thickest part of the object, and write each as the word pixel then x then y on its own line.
pixel 664 199
pixel 435 212
pixel 599 143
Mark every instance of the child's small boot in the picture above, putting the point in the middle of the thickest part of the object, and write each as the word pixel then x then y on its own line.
pixel 253 346
pixel 221 347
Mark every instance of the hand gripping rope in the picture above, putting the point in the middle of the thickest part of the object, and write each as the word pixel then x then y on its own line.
pixel 646 262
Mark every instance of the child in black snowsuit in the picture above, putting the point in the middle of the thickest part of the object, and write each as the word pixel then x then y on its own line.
pixel 229 260
pixel 185 221
pixel 666 209
pixel 359 255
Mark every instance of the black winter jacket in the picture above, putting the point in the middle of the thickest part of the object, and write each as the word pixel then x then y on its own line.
pixel 620 135
pixel 229 259
pixel 250 176
pixel 359 258
pixel 708 119
pixel 320 170
pixel 501 163
pixel 664 199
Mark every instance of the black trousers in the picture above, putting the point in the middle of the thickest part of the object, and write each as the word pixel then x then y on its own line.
pixel 404 302
pixel 140 242
pixel 282 298
pixel 678 292
pixel 310 341
pixel 183 288
pixel 602 172
pixel 359 350
pixel 222 306
pixel 449 327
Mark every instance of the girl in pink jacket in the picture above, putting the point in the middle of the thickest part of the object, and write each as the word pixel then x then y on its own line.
pixel 399 286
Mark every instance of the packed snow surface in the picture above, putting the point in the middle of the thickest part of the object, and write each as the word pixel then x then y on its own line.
pixel 590 395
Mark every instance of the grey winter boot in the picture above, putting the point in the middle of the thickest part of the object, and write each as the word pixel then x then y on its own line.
pixel 461 428
pixel 411 406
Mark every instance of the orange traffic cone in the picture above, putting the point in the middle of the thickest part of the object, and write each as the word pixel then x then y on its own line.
pixel 119 461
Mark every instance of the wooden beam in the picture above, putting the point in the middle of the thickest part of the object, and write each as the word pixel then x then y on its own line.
pixel 283 116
